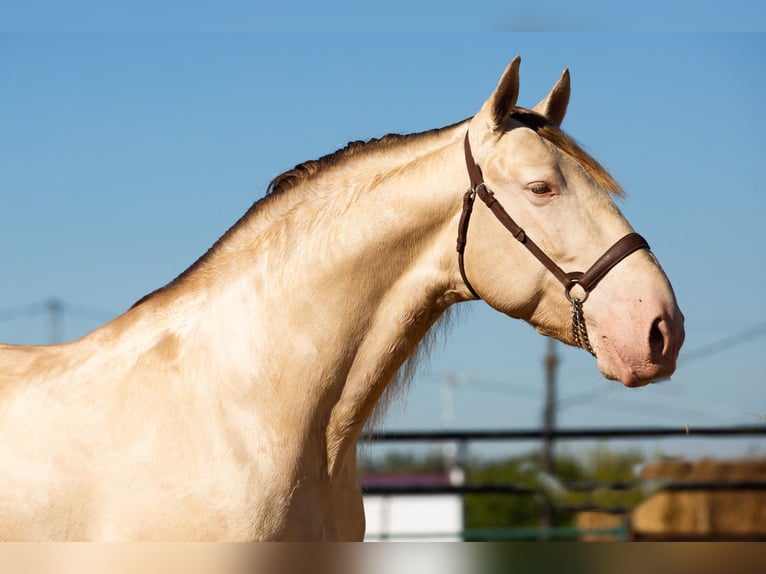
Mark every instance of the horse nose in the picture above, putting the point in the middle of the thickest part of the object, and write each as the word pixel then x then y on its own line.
pixel 666 335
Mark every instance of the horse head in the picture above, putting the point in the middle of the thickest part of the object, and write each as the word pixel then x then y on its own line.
pixel 562 209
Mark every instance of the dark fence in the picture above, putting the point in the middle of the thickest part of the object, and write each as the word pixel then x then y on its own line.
pixel 566 434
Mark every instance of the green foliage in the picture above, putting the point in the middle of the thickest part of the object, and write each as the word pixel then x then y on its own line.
pixel 404 462
pixel 500 510
pixel 598 465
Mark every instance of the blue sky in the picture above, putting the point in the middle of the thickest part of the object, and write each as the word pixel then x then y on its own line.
pixel 468 20
pixel 124 156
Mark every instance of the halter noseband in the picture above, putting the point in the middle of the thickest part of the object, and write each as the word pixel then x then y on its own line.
pixel 587 280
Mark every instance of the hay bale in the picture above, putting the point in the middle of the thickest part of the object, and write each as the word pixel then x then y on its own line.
pixel 591 520
pixel 703 514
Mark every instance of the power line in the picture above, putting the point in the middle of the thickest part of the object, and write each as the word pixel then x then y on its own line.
pixel 651 409
pixel 603 393
pixel 56 310
pixel 45 306
pixel 22 311
pixel 595 392
pixel 88 313
pixel 719 346
pixel 492 386
pixel 723 344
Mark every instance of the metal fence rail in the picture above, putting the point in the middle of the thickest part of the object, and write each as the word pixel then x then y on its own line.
pixel 522 490
pixel 565 434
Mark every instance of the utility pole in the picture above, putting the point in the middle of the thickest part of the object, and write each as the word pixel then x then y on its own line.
pixel 448 399
pixel 454 452
pixel 55 312
pixel 549 424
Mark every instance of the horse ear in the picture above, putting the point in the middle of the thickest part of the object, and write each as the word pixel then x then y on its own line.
pixel 554 106
pixel 503 99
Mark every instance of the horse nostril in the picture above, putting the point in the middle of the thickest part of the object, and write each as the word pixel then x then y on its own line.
pixel 657 340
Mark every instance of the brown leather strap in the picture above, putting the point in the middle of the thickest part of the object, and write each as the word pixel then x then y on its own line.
pixel 502 215
pixel 474 171
pixel 477 185
pixel 462 238
pixel 588 280
pixel 616 253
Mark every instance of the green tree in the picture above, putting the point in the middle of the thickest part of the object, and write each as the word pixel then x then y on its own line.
pixel 601 465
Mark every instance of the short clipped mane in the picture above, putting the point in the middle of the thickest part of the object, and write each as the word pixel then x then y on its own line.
pixel 306 170
pixel 300 174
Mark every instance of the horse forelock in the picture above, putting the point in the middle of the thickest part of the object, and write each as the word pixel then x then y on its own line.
pixel 548 131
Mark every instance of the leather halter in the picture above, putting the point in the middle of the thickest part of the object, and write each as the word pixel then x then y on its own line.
pixel 586 280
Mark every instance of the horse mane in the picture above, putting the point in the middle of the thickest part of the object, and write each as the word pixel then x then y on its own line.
pixel 353 150
pixel 301 174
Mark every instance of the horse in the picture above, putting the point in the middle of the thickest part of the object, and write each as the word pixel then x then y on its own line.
pixel 227 404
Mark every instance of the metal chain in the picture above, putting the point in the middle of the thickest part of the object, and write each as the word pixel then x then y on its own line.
pixel 579 330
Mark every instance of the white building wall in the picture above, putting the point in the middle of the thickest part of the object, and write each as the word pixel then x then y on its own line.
pixel 413 517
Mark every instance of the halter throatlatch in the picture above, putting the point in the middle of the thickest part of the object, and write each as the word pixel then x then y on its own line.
pixel 587 280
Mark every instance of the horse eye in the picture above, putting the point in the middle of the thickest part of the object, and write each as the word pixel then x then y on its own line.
pixel 540 188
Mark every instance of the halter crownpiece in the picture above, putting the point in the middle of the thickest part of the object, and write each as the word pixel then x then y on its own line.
pixel 587 280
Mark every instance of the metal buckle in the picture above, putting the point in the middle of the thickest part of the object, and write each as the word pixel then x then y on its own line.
pixel 568 292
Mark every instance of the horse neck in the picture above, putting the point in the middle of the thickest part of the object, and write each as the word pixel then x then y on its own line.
pixel 309 308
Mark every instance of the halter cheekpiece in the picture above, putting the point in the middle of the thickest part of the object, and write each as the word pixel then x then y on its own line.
pixel 587 280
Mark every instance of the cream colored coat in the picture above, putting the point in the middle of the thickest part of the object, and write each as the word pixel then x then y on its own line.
pixel 227 406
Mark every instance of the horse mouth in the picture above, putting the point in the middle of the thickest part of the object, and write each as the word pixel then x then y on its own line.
pixel 634 371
